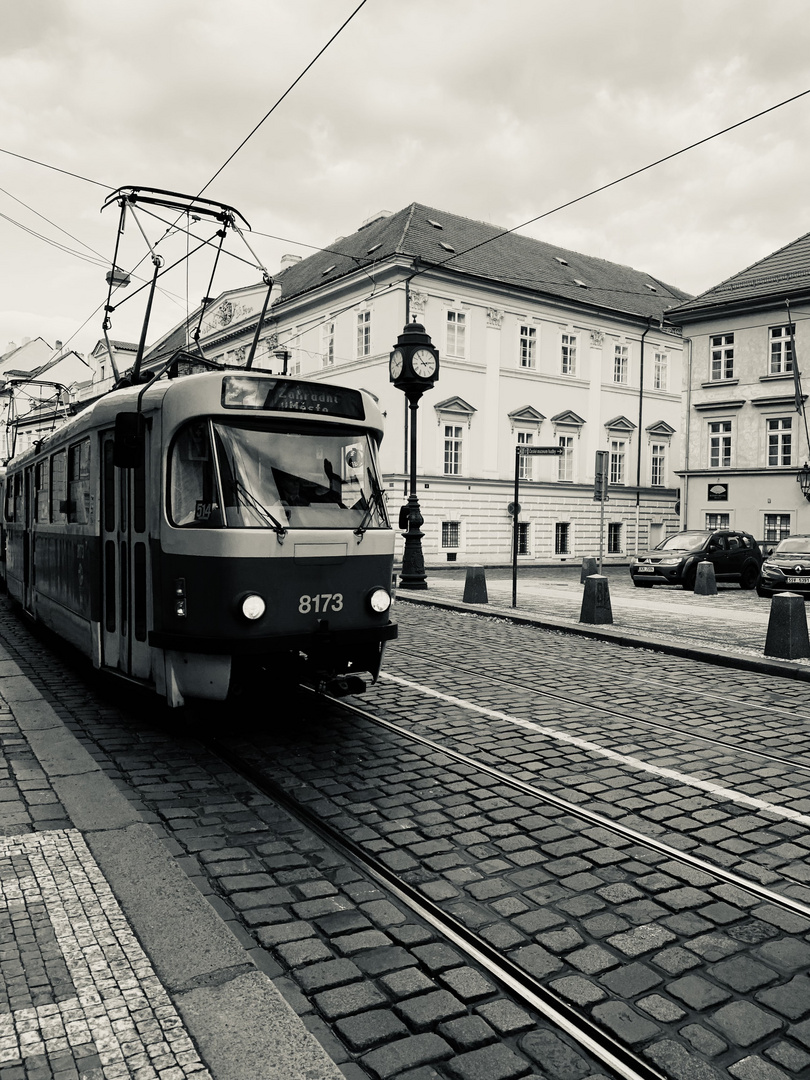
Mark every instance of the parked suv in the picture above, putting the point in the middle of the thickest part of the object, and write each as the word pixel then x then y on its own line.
pixel 736 557
pixel 786 568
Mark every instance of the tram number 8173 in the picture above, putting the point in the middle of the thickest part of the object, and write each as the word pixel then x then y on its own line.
pixel 320 602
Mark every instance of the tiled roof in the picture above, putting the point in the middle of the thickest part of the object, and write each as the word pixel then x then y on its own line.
pixel 477 249
pixel 778 276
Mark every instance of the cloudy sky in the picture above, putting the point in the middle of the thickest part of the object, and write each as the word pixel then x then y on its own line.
pixel 500 110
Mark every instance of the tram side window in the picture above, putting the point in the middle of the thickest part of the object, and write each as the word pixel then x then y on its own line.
pixel 42 485
pixel 14 498
pixel 193 490
pixel 59 488
pixel 78 510
pixel 19 512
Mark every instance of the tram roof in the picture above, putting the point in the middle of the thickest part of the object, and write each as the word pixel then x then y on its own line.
pixel 102 412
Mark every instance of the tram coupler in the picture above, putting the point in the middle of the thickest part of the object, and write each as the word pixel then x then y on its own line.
pixel 343 686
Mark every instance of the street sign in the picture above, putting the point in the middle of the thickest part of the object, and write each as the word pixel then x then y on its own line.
pixel 524 451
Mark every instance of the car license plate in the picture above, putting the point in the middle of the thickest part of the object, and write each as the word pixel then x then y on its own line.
pixel 798 581
pixel 651 570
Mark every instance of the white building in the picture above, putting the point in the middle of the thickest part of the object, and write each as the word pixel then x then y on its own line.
pixel 745 438
pixel 538 345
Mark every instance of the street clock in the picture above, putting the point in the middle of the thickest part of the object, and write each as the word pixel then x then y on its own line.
pixel 414 363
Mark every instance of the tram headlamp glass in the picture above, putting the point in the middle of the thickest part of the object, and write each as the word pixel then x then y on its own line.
pixel 379 600
pixel 253 607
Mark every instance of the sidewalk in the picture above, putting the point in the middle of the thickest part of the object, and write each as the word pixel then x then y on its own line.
pixel 729 628
pixel 113 964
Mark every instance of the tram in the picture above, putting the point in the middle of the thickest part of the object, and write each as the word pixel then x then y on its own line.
pixel 210 535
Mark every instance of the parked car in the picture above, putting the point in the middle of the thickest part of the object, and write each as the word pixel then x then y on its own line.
pixel 736 557
pixel 786 568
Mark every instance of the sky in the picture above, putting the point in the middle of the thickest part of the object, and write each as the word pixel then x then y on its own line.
pixel 498 110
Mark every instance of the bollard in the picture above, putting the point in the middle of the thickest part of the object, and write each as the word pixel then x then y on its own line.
pixel 705 581
pixel 787 628
pixel 475 587
pixel 588 567
pixel 596 600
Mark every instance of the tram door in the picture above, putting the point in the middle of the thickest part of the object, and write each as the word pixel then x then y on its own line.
pixel 125 564
pixel 28 539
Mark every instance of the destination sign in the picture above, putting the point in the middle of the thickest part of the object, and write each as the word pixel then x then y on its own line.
pixel 539 450
pixel 291 395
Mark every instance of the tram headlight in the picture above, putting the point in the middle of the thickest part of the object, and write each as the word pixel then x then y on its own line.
pixel 379 600
pixel 253 607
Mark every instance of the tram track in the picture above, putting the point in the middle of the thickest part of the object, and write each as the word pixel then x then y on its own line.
pixel 530 992
pixel 506 969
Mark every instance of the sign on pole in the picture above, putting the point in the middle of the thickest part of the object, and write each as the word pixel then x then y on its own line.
pixel 600 484
pixel 524 451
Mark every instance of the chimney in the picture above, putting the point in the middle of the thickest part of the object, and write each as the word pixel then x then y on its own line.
pixel 289 260
pixel 58 345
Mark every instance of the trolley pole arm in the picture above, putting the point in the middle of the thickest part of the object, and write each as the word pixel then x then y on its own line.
pixel 269 283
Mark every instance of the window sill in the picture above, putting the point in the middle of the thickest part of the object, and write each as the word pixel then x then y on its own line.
pixel 719 382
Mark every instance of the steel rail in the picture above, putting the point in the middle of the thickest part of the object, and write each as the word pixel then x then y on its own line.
pixel 585 1032
pixel 719 872
pixel 615 712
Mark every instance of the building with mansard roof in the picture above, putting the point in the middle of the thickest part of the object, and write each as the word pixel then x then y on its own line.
pixel 539 346
pixel 745 431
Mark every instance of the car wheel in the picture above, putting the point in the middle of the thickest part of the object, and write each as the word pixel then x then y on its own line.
pixel 689 578
pixel 749 575
pixel 766 593
pixel 643 584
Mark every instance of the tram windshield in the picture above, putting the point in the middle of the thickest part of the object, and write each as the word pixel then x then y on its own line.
pixel 225 475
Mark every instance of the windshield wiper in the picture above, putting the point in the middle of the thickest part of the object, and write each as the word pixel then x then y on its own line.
pixel 253 503
pixel 377 502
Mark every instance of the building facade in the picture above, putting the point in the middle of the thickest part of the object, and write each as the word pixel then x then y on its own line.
pixel 745 431
pixel 538 347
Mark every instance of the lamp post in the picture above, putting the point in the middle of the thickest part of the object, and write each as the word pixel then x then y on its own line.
pixel 803 479
pixel 413 368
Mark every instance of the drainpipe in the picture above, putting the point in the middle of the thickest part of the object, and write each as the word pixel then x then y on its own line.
pixel 684 516
pixel 640 408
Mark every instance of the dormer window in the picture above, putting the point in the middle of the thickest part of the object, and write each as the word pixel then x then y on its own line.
pixel 652 288
pixel 328 270
pixel 435 224
pixel 447 247
pixel 582 284
pixel 373 248
pixel 561 260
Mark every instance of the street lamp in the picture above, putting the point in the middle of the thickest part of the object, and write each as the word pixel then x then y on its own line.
pixel 803 478
pixel 413 368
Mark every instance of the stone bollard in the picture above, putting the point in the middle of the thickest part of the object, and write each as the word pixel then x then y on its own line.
pixel 596 600
pixel 475 587
pixel 705 581
pixel 787 628
pixel 589 567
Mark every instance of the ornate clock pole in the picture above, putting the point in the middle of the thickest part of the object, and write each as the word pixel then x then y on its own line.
pixel 413 369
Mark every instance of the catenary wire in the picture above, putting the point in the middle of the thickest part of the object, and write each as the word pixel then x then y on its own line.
pixel 289 89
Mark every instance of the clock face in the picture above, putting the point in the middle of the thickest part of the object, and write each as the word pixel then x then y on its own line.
pixel 423 363
pixel 395 364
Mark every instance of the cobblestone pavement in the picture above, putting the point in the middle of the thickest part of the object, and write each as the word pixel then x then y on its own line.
pixel 703 978
pixel 734 619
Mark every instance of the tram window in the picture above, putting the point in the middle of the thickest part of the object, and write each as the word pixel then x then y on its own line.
pixel 318 480
pixel 78 509
pixel 18 497
pixel 10 499
pixel 43 496
pixel 192 485
pixel 59 488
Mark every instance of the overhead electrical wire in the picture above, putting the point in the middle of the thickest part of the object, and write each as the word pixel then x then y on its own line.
pixel 289 89
pixel 473 247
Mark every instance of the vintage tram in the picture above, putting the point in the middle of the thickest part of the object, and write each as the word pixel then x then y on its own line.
pixel 209 535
